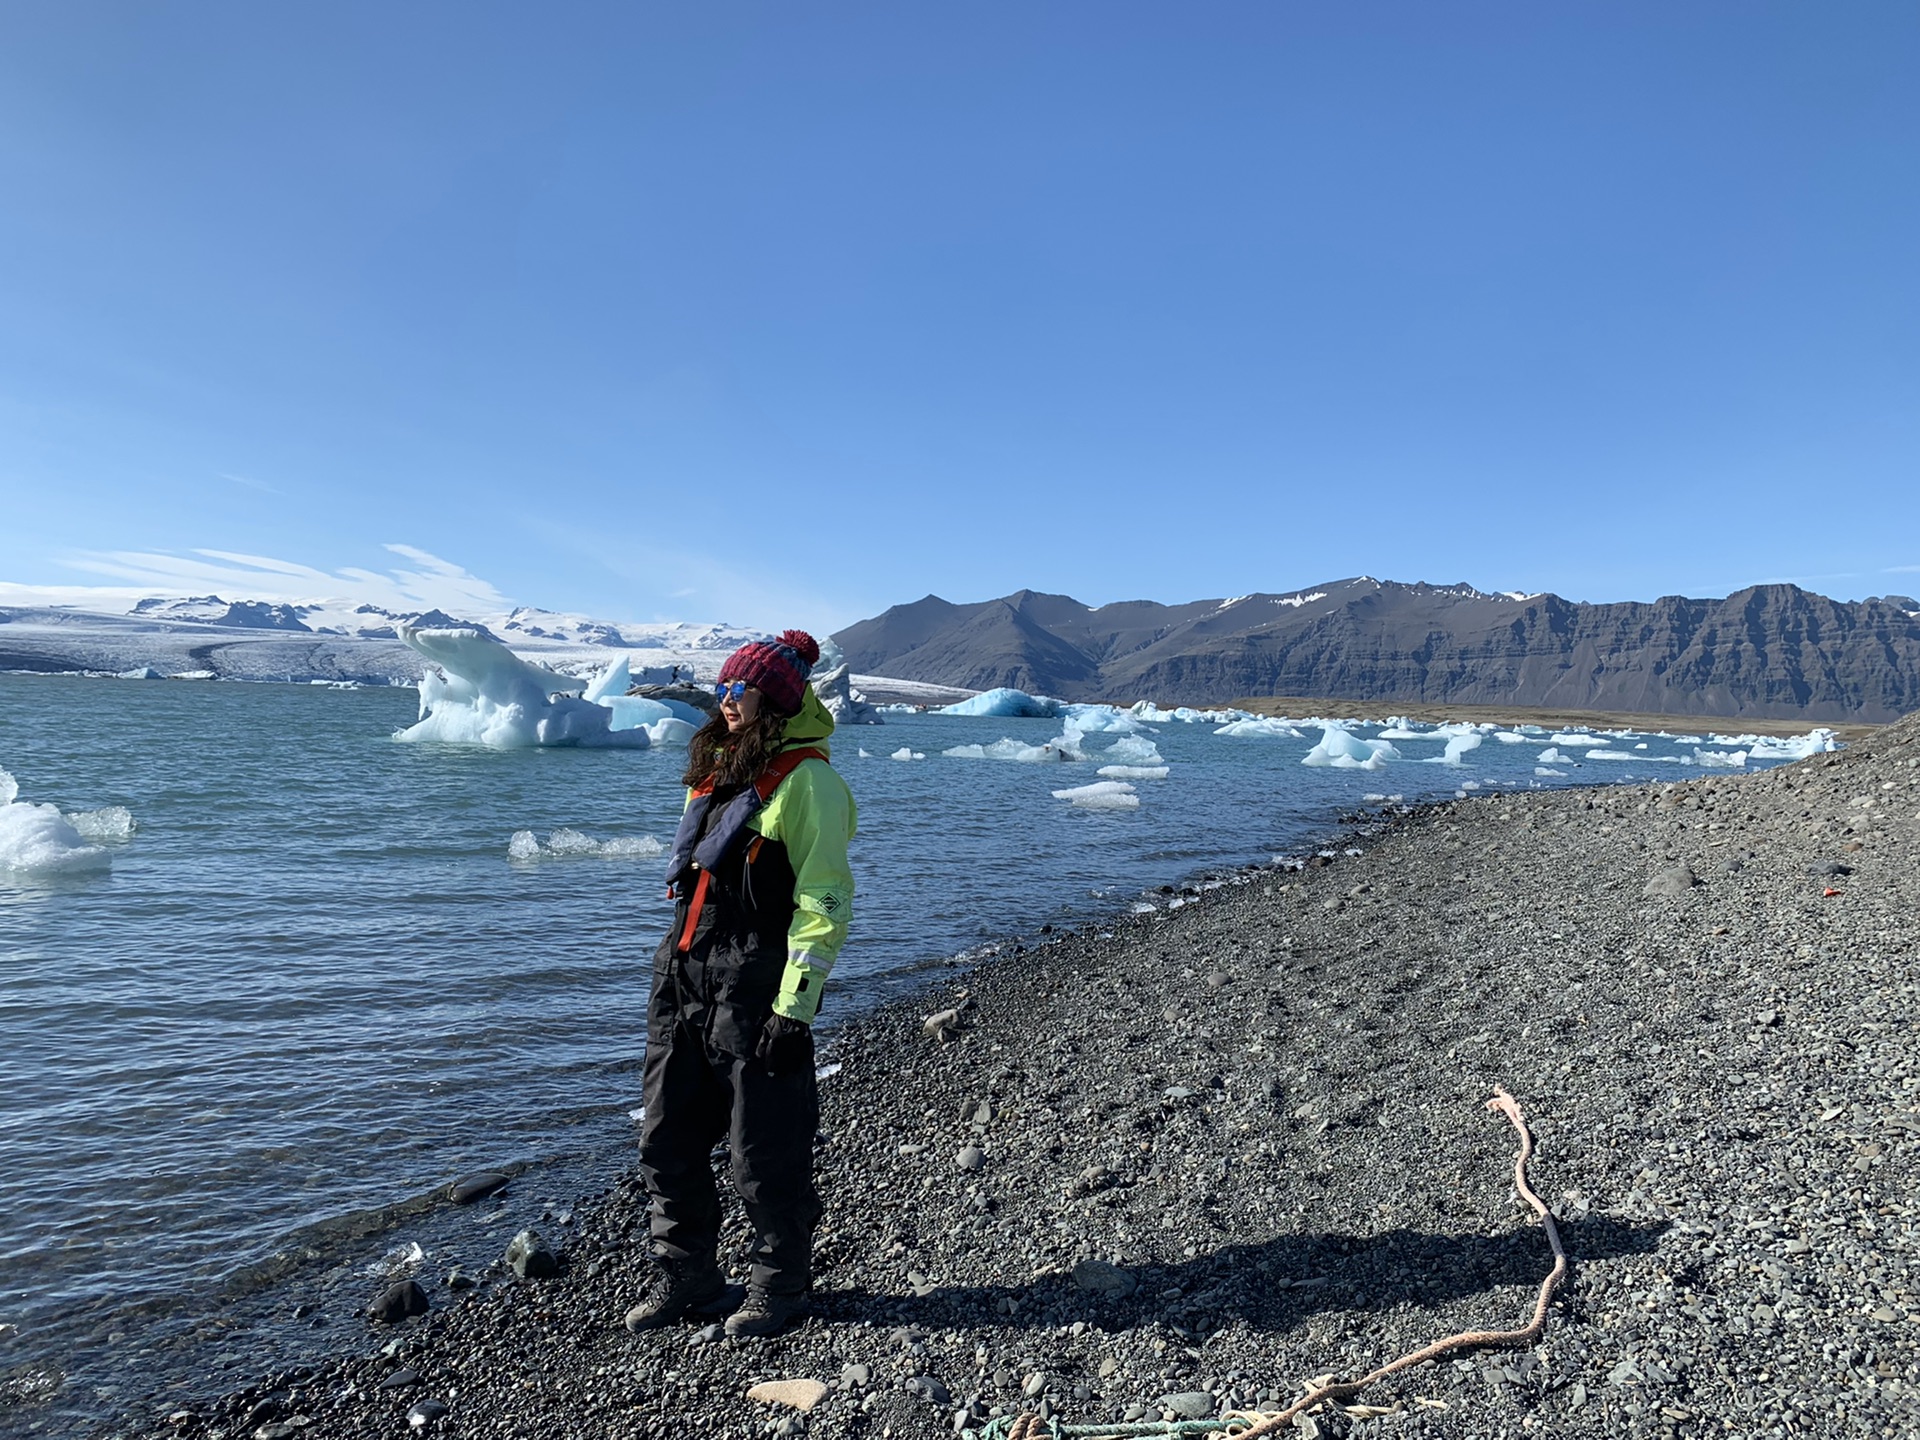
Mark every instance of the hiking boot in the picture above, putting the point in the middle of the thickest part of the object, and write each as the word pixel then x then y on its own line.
pixel 684 1292
pixel 763 1313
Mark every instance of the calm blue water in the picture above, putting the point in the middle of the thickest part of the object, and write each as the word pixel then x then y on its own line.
pixel 314 987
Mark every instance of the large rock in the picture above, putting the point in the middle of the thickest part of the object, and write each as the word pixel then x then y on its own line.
pixel 399 1301
pixel 1103 1278
pixel 529 1258
pixel 795 1394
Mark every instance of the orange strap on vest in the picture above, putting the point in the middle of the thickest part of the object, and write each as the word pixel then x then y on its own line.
pixel 778 768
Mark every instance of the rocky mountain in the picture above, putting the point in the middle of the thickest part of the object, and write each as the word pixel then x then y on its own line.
pixel 1768 651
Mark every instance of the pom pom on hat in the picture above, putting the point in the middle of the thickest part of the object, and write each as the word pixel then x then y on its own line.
pixel 778 669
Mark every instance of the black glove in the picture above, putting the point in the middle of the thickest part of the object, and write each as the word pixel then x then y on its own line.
pixel 786 1046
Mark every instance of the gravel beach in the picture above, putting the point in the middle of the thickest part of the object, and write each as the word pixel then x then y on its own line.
pixel 1184 1162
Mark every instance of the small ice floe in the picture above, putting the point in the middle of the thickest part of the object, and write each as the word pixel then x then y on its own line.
pixel 1050 753
pixel 38 840
pixel 907 753
pixel 1133 750
pixel 1260 729
pixel 1340 749
pixel 400 1260
pixel 1509 737
pixel 1720 759
pixel 566 843
pixel 1133 772
pixel 1548 770
pixel 1101 795
pixel 1459 743
pixel 863 754
pixel 827 1072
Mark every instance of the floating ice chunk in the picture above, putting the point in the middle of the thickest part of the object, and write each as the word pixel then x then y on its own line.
pixel 670 731
pixel 481 693
pixel 1613 755
pixel 1263 728
pixel 1100 720
pixel 1186 715
pixel 1400 728
pixel 907 753
pixel 1133 772
pixel 1509 737
pixel 1004 702
pixel 1018 750
pixel 1549 756
pixel 610 682
pixel 1133 750
pixel 1466 785
pixel 1720 759
pixel 862 753
pixel 1796 747
pixel 568 843
pixel 114 822
pixel 1101 795
pixel 140 672
pixel 636 712
pixel 39 840
pixel 1547 770
pixel 1459 743
pixel 1342 750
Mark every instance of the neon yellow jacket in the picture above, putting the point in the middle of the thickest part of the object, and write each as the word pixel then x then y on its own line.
pixel 813 815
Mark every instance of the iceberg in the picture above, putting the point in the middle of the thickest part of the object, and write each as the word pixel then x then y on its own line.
pixel 1459 742
pixel 1133 750
pixel 1720 759
pixel 846 704
pixel 1186 715
pixel 1101 720
pixel 1016 750
pixel 1003 703
pixel 39 840
pixel 569 843
pixel 1794 747
pixel 1134 772
pixel 479 692
pixel 1261 728
pixel 1340 749
pixel 1101 795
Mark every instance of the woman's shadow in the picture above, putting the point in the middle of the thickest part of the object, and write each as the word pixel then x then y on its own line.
pixel 1271 1286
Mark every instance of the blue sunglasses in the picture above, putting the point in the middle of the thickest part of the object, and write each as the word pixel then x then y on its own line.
pixel 733 691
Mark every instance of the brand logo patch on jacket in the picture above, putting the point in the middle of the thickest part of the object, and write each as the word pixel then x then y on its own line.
pixel 830 902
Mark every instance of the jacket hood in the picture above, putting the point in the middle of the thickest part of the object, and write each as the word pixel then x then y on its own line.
pixel 811 726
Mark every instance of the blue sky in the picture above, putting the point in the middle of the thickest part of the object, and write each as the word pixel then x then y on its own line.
pixel 782 314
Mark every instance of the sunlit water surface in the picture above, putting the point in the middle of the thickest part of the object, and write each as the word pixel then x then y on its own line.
pixel 235 1069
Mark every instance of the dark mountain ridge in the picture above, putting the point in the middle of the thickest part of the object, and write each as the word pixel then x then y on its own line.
pixel 1769 651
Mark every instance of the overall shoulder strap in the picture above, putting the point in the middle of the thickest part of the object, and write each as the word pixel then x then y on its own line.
pixel 781 766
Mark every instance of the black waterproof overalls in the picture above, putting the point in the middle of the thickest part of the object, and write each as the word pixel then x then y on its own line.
pixel 713 990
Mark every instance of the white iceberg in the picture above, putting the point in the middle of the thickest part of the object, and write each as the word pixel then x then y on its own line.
pixel 1340 749
pixel 569 843
pixel 1133 772
pixel 1101 720
pixel 906 752
pixel 39 840
pixel 1186 715
pixel 1016 750
pixel 1262 727
pixel 1004 702
pixel 1133 750
pixel 846 704
pixel 1459 742
pixel 1101 795
pixel 478 692
pixel 1792 747
pixel 1720 759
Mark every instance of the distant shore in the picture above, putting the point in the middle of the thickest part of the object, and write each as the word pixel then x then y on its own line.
pixel 1295 707
pixel 1259 1109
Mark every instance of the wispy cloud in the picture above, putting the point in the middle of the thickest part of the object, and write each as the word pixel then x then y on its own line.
pixel 427 583
pixel 247 481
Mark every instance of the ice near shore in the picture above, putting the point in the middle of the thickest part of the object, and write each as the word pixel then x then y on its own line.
pixel 37 840
pixel 478 692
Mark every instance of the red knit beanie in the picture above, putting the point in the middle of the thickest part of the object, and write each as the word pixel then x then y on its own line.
pixel 778 669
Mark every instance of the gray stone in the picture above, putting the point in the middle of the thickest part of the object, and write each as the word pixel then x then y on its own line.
pixel 1671 882
pixel 1190 1404
pixel 971 1157
pixel 1104 1278
pixel 856 1375
pixel 426 1413
pixel 399 1301
pixel 529 1257
pixel 478 1186
pixel 928 1388
pixel 400 1380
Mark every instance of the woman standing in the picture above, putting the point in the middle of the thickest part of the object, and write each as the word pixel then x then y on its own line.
pixel 759 873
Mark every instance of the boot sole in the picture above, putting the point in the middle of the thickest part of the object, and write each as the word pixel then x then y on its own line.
pixel 718 1308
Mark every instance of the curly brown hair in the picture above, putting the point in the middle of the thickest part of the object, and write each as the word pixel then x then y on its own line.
pixel 715 753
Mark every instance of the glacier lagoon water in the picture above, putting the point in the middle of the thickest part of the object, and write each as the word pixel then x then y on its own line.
pixel 240 1065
